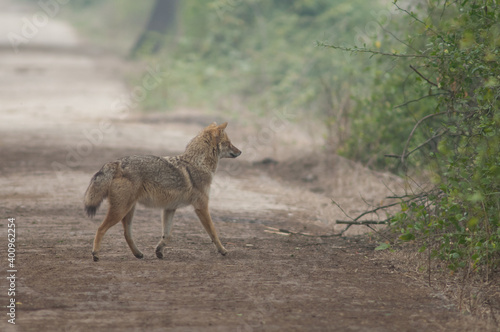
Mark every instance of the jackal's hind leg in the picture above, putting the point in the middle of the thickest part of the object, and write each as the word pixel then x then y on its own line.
pixel 167 220
pixel 113 216
pixel 127 227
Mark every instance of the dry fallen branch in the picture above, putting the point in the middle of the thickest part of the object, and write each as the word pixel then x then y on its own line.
pixel 364 222
pixel 286 232
pixel 367 223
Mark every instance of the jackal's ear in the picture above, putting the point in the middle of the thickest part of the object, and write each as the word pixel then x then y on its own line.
pixel 212 125
pixel 219 132
pixel 223 126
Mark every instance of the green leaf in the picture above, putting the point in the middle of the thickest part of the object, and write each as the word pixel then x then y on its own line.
pixel 407 237
pixel 472 223
pixel 476 197
pixel 383 246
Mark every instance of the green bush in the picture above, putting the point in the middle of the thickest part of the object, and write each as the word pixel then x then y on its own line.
pixel 457 63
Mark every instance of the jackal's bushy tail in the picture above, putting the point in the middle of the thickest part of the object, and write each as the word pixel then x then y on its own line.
pixel 98 188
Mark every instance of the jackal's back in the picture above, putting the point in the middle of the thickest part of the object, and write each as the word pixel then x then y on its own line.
pixel 166 182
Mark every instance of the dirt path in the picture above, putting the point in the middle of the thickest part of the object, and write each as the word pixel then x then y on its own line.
pixel 62 116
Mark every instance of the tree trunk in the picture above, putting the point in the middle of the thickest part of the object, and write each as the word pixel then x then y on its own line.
pixel 161 20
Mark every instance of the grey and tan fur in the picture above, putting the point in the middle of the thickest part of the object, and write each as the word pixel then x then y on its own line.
pixel 167 183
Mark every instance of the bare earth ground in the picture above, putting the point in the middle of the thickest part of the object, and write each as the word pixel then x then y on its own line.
pixel 59 123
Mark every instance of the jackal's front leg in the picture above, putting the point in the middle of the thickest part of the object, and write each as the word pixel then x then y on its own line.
pixel 167 220
pixel 206 221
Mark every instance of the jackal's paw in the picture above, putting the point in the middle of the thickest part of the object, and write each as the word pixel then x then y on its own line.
pixel 159 253
pixel 95 257
pixel 139 255
pixel 223 251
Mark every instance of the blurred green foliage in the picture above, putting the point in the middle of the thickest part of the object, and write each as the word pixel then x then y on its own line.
pixel 259 56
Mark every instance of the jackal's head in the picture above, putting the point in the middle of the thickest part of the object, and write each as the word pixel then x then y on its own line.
pixel 224 146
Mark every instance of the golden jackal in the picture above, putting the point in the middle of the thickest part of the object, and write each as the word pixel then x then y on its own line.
pixel 160 182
